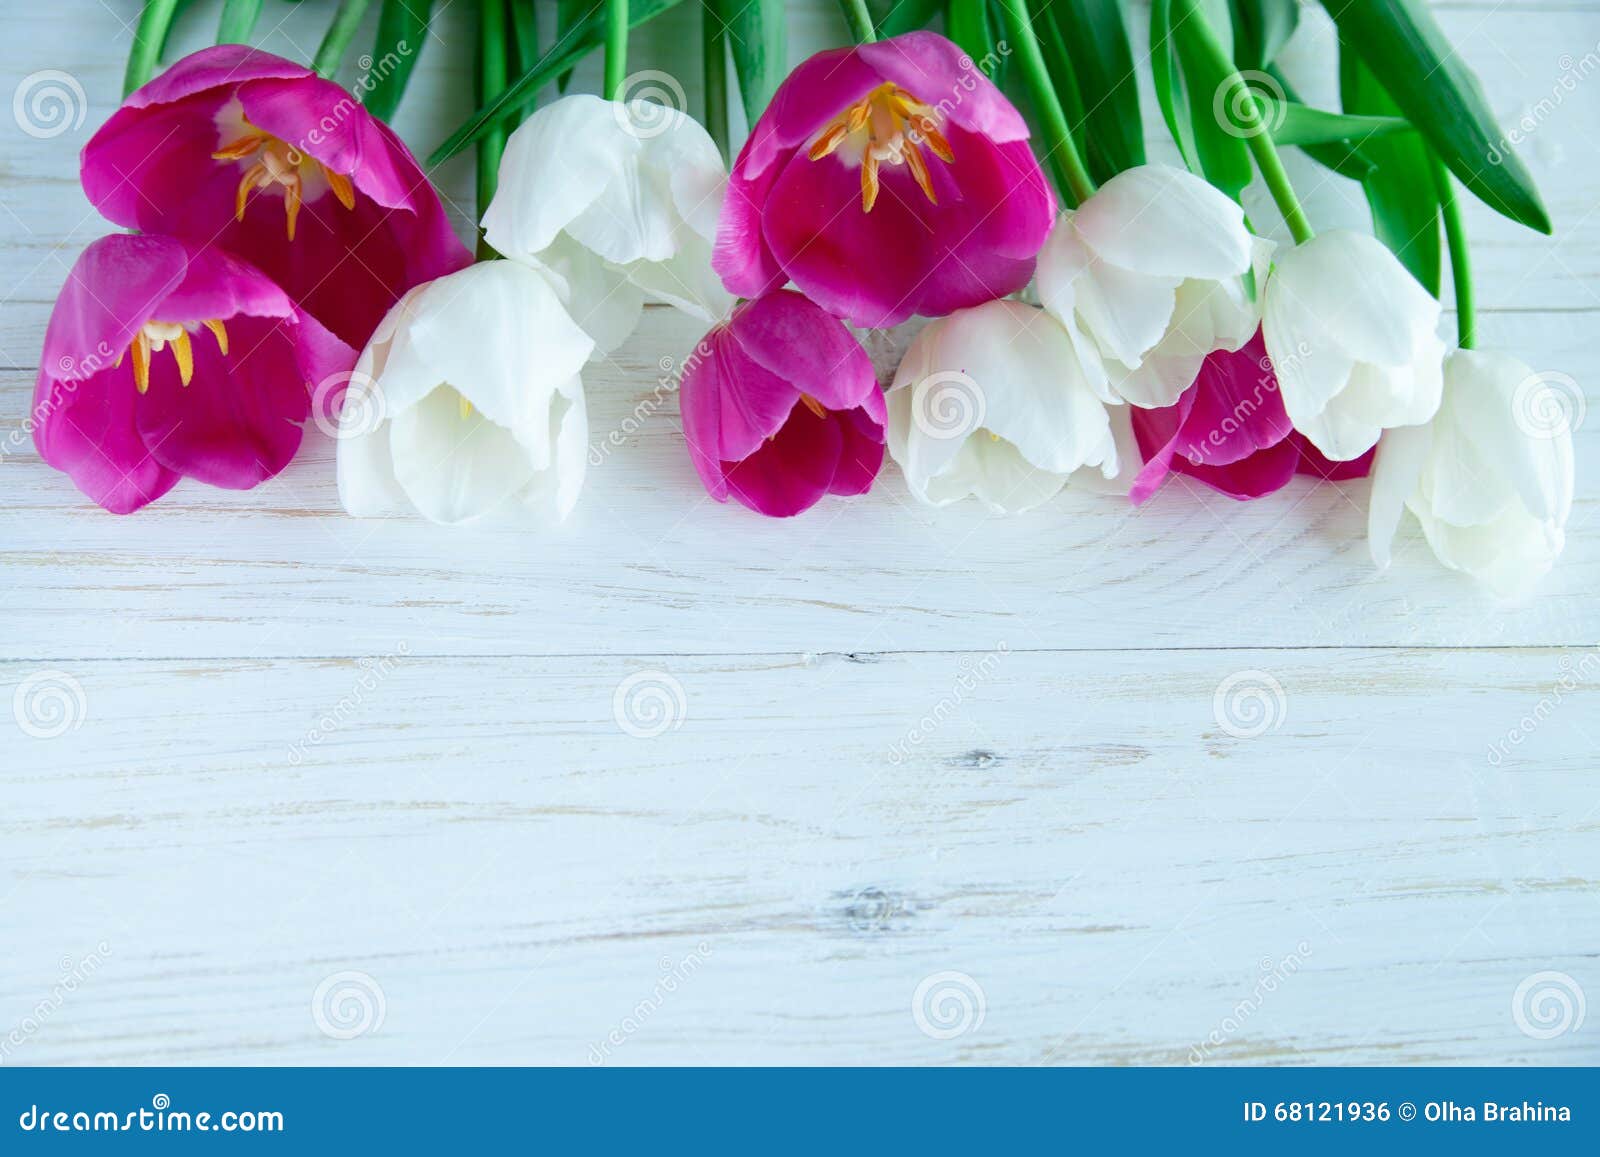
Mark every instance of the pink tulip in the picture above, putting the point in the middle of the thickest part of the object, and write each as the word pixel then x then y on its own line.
pixel 260 156
pixel 1229 430
pixel 163 360
pixel 886 180
pixel 781 406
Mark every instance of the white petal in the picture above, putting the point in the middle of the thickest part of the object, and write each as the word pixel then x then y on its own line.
pixel 498 333
pixel 1062 262
pixel 556 165
pixel 1508 555
pixel 989 397
pixel 598 296
pixel 556 487
pixel 1395 473
pixel 455 467
pixel 685 280
pixel 1165 222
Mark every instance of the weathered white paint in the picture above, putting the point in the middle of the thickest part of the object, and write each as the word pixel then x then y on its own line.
pixel 901 743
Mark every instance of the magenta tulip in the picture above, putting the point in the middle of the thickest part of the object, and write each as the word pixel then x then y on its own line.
pixel 258 155
pixel 886 180
pixel 163 360
pixel 1229 430
pixel 781 406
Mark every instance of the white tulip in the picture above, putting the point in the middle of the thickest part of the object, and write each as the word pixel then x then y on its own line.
pixel 1147 275
pixel 619 202
pixel 1489 478
pixel 1354 341
pixel 467 397
pixel 992 402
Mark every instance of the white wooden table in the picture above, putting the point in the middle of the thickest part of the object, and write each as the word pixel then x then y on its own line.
pixel 931 787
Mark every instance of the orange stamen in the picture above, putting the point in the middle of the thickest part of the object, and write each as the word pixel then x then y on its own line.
pixel 887 126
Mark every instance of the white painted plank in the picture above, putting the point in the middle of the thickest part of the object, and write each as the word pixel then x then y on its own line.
pixel 1077 834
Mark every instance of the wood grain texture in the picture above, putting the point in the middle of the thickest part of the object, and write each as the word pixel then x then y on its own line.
pixel 912 763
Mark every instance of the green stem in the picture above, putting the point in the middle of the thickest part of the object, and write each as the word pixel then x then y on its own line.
pixel 1072 178
pixel 616 76
pixel 238 21
pixel 1250 121
pixel 147 42
pixel 859 20
pixel 1455 235
pixel 492 78
pixel 330 53
pixel 715 39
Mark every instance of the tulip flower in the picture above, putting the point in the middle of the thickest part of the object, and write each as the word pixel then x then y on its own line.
pixel 1489 478
pixel 468 400
pixel 258 155
pixel 1354 340
pixel 1147 276
pixel 886 180
pixel 164 359
pixel 1229 431
pixel 619 202
pixel 993 402
pixel 781 406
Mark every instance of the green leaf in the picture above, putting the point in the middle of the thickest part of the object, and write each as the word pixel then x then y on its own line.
pixel 895 17
pixel 756 37
pixel 1170 96
pixel 1400 189
pixel 1260 29
pixel 967 23
pixel 1293 123
pixel 571 16
pixel 1215 148
pixel 1399 41
pixel 1095 40
pixel 402 31
pixel 1342 157
pixel 561 56
pixel 238 21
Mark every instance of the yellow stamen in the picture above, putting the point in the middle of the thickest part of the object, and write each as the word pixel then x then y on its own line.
pixel 141 363
pixel 155 336
pixel 887 126
pixel 184 353
pixel 275 163
pixel 463 407
pixel 813 405
pixel 220 332
pixel 869 182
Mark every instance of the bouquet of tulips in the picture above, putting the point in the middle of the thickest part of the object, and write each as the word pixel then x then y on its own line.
pixel 1114 323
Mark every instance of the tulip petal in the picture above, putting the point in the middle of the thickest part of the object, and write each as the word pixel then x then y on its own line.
pixel 455 466
pixel 1395 471
pixel 1164 222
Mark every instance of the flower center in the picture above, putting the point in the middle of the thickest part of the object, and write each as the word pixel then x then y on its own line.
pixel 887 126
pixel 275 165
pixel 155 336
